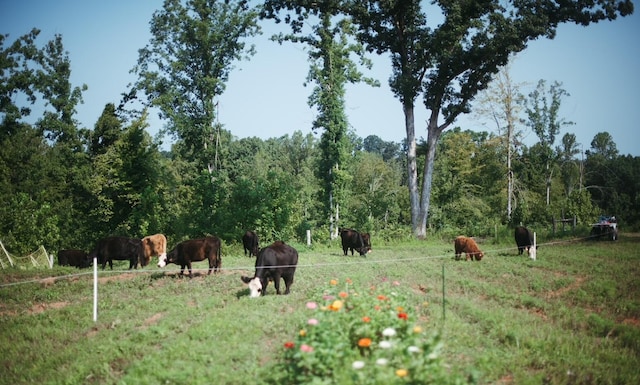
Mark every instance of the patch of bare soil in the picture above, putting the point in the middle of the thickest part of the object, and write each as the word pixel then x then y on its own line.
pixel 42 307
pixel 556 293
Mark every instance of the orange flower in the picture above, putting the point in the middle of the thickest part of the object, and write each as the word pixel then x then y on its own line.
pixel 402 372
pixel 399 309
pixel 366 319
pixel 382 297
pixel 333 282
pixel 377 307
pixel 343 294
pixel 364 342
pixel 403 316
pixel 349 281
pixel 289 345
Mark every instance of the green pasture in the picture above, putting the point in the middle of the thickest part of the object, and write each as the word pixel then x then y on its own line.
pixel 570 317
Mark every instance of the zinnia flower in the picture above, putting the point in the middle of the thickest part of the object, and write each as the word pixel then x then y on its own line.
pixel 357 365
pixel 382 297
pixel 382 361
pixel 343 294
pixel 402 372
pixel 303 333
pixel 417 329
pixel 389 332
pixel 289 345
pixel 306 348
pixel 366 319
pixel 333 282
pixel 364 342
pixel 413 349
pixel 312 305
pixel 336 305
pixel 403 316
pixel 385 344
pixel 312 321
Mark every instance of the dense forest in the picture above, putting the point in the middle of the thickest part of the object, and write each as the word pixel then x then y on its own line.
pixel 65 186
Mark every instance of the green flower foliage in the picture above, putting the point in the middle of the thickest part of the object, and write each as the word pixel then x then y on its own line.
pixel 364 336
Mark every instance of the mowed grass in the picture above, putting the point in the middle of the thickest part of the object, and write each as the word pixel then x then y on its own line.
pixel 571 316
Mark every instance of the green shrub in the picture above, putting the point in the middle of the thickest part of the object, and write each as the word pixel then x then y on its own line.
pixel 367 336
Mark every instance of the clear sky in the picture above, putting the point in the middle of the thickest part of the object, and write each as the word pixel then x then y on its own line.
pixel 597 65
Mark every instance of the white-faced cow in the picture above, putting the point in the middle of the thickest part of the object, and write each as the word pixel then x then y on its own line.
pixel 524 240
pixel 74 257
pixel 153 245
pixel 468 246
pixel 118 248
pixel 250 243
pixel 275 261
pixel 195 250
pixel 354 240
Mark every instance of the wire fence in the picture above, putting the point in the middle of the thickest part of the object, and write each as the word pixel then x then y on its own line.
pixel 360 261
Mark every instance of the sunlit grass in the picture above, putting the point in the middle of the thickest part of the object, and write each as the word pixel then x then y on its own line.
pixel 572 316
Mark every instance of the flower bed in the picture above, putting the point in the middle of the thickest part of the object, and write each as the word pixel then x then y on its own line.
pixel 370 336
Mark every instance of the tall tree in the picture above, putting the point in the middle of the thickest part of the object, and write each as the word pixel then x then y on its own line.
pixel 502 103
pixel 331 69
pixel 543 111
pixel 186 64
pixel 450 63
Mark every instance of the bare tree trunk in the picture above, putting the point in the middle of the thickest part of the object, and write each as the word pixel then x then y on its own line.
pixel 412 169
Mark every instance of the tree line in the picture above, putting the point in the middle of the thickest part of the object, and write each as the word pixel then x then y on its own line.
pixel 65 186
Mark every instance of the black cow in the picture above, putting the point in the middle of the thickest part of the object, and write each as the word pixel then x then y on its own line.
pixel 274 261
pixel 74 257
pixel 118 248
pixel 195 250
pixel 524 240
pixel 250 243
pixel 353 240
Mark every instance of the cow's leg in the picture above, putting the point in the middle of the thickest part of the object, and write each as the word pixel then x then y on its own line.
pixel 190 271
pixel 212 264
pixel 182 269
pixel 276 282
pixel 288 280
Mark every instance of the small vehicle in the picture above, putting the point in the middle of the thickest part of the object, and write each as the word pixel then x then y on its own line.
pixel 607 227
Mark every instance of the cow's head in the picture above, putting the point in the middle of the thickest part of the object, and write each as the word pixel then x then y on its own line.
pixel 255 286
pixel 164 259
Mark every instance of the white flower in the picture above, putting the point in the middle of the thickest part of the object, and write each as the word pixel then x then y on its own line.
pixel 413 349
pixel 389 332
pixel 385 344
pixel 432 356
pixel 382 361
pixel 357 365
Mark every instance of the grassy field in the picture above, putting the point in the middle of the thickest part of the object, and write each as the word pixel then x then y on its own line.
pixel 570 317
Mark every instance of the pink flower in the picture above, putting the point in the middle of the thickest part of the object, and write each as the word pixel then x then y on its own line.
pixel 312 305
pixel 312 321
pixel 306 348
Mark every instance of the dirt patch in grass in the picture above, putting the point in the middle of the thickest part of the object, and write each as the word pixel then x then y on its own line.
pixel 574 285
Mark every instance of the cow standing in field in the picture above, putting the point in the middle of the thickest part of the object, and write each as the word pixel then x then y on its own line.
pixel 195 250
pixel 153 245
pixel 118 248
pixel 274 261
pixel 524 240
pixel 74 257
pixel 353 240
pixel 250 243
pixel 468 246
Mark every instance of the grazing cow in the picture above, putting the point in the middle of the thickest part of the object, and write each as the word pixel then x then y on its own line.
pixel 468 246
pixel 73 257
pixel 250 243
pixel 195 250
pixel 274 261
pixel 153 245
pixel 353 240
pixel 118 248
pixel 524 240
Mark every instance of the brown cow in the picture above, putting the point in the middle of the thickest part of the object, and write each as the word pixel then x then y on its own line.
pixel 194 250
pixel 468 246
pixel 153 245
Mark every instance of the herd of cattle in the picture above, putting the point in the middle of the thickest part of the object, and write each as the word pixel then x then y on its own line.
pixel 278 260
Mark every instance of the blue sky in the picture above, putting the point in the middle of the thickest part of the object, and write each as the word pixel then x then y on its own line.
pixel 598 65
